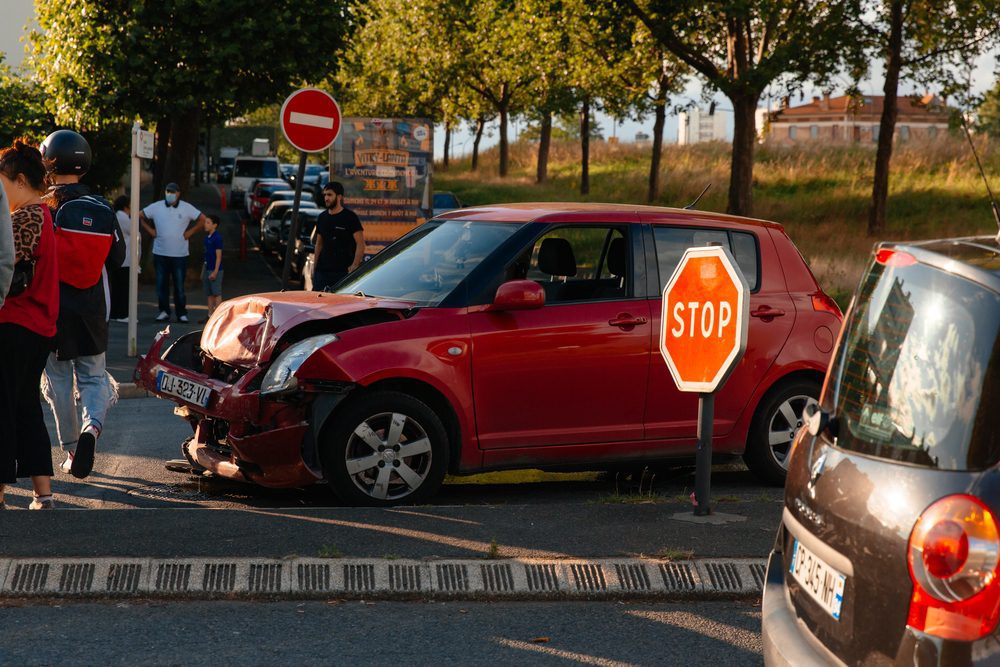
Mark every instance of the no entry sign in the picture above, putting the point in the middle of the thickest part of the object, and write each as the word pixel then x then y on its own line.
pixel 310 119
pixel 703 329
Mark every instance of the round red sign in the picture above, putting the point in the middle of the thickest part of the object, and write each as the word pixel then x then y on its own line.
pixel 310 119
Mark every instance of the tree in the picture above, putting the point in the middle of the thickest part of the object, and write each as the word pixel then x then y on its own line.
pixel 989 112
pixel 179 63
pixel 22 107
pixel 740 47
pixel 930 40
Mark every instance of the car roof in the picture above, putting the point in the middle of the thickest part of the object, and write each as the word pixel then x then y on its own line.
pixel 553 211
pixel 980 254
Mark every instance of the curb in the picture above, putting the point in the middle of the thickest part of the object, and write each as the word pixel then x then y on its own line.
pixel 385 579
pixel 131 390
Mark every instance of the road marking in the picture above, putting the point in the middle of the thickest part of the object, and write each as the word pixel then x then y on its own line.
pixel 312 120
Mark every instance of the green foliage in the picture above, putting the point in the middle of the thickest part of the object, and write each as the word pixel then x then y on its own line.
pixel 989 112
pixel 22 108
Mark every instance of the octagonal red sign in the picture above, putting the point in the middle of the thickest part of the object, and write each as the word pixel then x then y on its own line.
pixel 704 322
pixel 310 119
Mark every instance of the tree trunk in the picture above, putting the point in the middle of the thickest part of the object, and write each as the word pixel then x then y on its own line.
pixel 744 142
pixel 504 145
pixel 887 125
pixel 447 145
pixel 480 126
pixel 162 150
pixel 585 147
pixel 654 164
pixel 183 144
pixel 544 141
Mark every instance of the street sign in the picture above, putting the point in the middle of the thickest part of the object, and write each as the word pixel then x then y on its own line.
pixel 310 119
pixel 144 144
pixel 703 328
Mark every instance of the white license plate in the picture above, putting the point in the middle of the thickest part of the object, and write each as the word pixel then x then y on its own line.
pixel 824 584
pixel 192 392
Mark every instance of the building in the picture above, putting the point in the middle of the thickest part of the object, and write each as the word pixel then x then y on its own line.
pixel 855 120
pixel 695 126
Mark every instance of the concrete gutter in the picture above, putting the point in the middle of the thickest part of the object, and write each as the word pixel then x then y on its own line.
pixel 131 390
pixel 383 578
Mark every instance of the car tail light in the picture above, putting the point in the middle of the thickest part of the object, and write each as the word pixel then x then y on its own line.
pixel 890 257
pixel 824 303
pixel 954 551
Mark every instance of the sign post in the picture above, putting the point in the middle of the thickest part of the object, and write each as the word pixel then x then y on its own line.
pixel 142 148
pixel 703 335
pixel 310 120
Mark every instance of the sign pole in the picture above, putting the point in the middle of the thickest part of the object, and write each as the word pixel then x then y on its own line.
pixel 141 146
pixel 703 458
pixel 293 232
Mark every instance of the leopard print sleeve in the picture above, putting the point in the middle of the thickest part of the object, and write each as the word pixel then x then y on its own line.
pixel 28 223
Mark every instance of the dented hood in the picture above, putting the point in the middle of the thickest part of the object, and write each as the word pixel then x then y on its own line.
pixel 244 331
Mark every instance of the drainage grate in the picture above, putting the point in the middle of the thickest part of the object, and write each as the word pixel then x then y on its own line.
pixel 124 578
pixel 541 577
pixel 632 577
pixel 452 577
pixel 77 578
pixel 588 577
pixel 359 577
pixel 759 572
pixel 219 578
pixel 677 576
pixel 404 578
pixel 173 577
pixel 314 577
pixel 498 578
pixel 724 576
pixel 264 578
pixel 30 578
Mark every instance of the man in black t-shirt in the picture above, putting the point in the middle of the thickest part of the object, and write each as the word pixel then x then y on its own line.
pixel 340 239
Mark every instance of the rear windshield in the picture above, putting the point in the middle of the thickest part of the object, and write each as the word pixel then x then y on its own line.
pixel 917 378
pixel 257 168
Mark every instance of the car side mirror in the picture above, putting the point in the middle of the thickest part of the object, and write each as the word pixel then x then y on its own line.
pixel 518 295
pixel 817 420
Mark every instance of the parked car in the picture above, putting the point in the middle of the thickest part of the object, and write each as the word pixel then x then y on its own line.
pixel 307 222
pixel 445 201
pixel 888 547
pixel 288 171
pixel 261 194
pixel 246 170
pixel 553 308
pixel 270 222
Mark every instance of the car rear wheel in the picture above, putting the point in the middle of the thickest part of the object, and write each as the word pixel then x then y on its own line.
pixel 778 420
pixel 387 448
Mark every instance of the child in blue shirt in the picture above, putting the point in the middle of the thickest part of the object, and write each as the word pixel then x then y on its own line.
pixel 211 270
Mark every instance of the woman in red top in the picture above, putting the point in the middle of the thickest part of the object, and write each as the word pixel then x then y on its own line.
pixel 27 325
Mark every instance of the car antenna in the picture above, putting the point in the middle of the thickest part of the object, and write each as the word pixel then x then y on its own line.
pixel 698 198
pixel 993 201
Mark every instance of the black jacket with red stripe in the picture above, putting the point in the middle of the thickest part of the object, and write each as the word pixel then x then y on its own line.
pixel 89 244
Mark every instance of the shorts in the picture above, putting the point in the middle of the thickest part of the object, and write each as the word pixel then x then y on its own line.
pixel 212 287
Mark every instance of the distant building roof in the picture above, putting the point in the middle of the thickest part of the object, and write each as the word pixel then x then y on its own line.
pixel 926 108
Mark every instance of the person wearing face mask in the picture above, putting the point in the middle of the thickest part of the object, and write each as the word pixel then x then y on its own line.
pixel 173 222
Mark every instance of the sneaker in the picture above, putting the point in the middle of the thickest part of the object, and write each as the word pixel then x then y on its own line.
pixel 83 458
pixel 67 465
pixel 183 318
pixel 163 316
pixel 42 503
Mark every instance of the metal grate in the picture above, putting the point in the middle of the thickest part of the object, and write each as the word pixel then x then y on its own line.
pixel 541 577
pixel 30 578
pixel 759 572
pixel 124 578
pixel 264 578
pixel 404 578
pixel 452 577
pixel 219 578
pixel 77 578
pixel 632 576
pixel 588 577
pixel 173 577
pixel 677 576
pixel 724 576
pixel 359 577
pixel 498 578
pixel 314 577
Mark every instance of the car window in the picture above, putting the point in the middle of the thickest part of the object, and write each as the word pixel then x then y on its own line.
pixel 918 375
pixel 577 263
pixel 445 200
pixel 671 242
pixel 256 168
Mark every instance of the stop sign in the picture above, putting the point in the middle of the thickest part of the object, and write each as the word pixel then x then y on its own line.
pixel 703 327
pixel 310 119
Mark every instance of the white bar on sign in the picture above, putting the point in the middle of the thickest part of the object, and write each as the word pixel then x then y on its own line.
pixel 312 120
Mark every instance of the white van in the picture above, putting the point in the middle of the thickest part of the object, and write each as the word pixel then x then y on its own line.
pixel 248 169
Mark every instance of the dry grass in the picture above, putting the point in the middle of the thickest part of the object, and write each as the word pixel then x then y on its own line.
pixel 820 194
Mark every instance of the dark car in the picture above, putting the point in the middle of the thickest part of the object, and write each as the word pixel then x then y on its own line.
pixel 271 221
pixel 554 311
pixel 888 549
pixel 444 202
pixel 304 245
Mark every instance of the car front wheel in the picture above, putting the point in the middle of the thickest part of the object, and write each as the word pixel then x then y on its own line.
pixel 775 425
pixel 386 448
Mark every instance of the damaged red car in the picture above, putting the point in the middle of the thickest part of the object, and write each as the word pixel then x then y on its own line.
pixel 489 338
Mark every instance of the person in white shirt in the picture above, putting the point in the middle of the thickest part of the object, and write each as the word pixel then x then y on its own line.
pixel 173 223
pixel 119 277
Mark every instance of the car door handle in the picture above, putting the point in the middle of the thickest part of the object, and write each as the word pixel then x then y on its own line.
pixel 626 321
pixel 767 313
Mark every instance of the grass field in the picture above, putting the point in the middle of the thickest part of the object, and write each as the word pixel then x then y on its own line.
pixel 820 195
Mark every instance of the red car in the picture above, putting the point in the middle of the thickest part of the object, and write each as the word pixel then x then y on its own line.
pixel 498 337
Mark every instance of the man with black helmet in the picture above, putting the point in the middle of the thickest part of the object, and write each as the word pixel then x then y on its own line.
pixel 88 245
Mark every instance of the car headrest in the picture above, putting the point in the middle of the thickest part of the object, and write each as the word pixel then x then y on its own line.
pixel 556 258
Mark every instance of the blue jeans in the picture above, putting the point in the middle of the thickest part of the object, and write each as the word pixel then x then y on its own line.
pixel 98 392
pixel 168 268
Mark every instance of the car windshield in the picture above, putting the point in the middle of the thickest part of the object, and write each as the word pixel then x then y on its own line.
pixel 427 265
pixel 256 168
pixel 314 169
pixel 918 375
